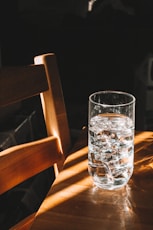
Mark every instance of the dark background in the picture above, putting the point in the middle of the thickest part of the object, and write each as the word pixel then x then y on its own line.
pixel 96 50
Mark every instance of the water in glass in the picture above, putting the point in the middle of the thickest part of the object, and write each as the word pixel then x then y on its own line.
pixel 111 150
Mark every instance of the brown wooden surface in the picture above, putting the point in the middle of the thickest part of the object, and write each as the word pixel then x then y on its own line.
pixel 23 161
pixel 54 106
pixel 25 224
pixel 75 203
pixel 21 82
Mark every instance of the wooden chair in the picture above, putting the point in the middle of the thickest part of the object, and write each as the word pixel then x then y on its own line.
pixel 23 161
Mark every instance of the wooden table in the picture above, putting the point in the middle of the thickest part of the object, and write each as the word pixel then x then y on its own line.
pixel 74 203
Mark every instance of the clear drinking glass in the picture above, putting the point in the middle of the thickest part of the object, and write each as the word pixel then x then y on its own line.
pixel 111 125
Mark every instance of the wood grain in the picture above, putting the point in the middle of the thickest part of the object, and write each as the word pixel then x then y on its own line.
pixel 75 203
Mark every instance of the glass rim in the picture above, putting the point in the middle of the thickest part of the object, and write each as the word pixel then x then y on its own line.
pixel 133 99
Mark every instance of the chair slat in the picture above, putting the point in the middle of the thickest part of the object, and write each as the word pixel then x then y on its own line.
pixel 20 162
pixel 32 78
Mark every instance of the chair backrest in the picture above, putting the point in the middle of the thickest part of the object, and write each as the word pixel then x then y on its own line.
pixel 20 162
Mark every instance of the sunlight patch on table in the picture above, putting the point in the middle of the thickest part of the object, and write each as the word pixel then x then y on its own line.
pixel 64 195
